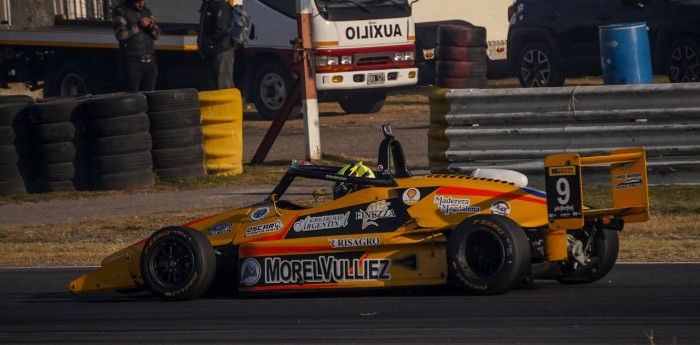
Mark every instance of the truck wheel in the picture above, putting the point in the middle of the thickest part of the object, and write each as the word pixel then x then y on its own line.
pixel 270 89
pixel 684 61
pixel 363 103
pixel 73 80
pixel 488 254
pixel 536 67
pixel 178 263
pixel 603 256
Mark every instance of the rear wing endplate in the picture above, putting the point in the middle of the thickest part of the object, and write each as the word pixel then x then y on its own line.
pixel 628 184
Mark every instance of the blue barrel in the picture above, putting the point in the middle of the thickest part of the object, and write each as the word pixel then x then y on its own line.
pixel 624 54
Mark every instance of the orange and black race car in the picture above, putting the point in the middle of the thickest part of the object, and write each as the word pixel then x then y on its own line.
pixel 387 228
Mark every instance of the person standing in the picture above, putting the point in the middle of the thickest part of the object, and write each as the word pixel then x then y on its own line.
pixel 135 28
pixel 215 43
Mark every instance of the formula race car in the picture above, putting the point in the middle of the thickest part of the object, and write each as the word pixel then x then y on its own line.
pixel 386 228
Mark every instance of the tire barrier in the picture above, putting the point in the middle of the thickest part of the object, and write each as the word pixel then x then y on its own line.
pixel 516 128
pixel 16 172
pixel 58 132
pixel 111 121
pixel 461 57
pixel 222 118
pixel 175 122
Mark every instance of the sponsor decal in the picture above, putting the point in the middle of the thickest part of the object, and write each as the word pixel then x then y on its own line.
pixel 219 229
pixel 355 242
pixel 633 180
pixel 501 208
pixel 376 210
pixel 411 196
pixel 260 213
pixel 562 171
pixel 373 31
pixel 324 269
pixel 250 272
pixel 322 222
pixel 264 228
pixel 451 205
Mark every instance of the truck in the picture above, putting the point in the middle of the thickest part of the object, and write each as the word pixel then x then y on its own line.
pixel 362 49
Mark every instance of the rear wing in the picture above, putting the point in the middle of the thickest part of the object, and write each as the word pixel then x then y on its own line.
pixel 628 184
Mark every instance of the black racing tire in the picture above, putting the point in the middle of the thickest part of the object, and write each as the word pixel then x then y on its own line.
pixel 181 173
pixel 9 154
pixel 460 69
pixel 606 246
pixel 363 103
pixel 447 53
pixel 63 152
pixel 461 36
pixel 171 158
pixel 135 179
pixel 173 119
pixel 116 105
pixel 488 254
pixel 168 100
pixel 271 87
pixel 63 110
pixel 684 61
pixel 49 133
pixel 12 187
pixel 461 83
pixel 13 113
pixel 536 66
pixel 121 125
pixel 178 263
pixel 118 164
pixel 181 137
pixel 121 144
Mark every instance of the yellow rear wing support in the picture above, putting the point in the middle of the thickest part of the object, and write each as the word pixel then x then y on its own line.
pixel 565 204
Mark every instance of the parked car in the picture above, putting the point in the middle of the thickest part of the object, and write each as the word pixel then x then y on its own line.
pixel 550 40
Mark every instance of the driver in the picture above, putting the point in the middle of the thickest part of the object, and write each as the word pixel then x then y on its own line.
pixel 356 169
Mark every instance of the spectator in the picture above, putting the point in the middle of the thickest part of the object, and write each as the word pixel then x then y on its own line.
pixel 135 28
pixel 215 42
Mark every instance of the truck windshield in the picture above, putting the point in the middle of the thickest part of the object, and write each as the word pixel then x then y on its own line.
pixel 362 9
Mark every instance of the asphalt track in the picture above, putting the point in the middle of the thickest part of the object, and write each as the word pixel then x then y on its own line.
pixel 635 304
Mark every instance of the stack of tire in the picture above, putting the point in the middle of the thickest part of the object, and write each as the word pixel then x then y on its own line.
pixel 58 132
pixel 120 142
pixel 16 171
pixel 175 121
pixel 222 127
pixel 461 57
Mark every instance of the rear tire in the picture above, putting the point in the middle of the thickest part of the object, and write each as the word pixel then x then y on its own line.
pixel 271 88
pixel 363 103
pixel 178 263
pixel 488 254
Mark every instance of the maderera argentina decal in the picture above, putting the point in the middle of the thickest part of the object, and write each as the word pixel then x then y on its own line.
pixel 372 30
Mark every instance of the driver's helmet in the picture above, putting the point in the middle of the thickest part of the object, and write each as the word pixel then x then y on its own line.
pixel 356 169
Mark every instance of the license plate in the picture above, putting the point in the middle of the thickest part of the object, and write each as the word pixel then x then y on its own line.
pixel 375 78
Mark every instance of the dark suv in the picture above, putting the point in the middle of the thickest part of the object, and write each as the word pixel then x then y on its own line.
pixel 549 40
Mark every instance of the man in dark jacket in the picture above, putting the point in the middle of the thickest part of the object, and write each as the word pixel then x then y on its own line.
pixel 215 42
pixel 135 28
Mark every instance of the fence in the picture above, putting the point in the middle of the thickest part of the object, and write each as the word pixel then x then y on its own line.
pixel 516 128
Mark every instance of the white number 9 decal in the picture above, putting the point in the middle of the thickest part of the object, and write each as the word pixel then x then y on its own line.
pixel 564 191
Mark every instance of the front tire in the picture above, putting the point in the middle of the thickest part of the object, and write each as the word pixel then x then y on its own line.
pixel 536 67
pixel 684 61
pixel 178 263
pixel 488 254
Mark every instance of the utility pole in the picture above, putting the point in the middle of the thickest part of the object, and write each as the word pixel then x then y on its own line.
pixel 309 101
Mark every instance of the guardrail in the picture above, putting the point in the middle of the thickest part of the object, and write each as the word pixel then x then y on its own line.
pixel 516 128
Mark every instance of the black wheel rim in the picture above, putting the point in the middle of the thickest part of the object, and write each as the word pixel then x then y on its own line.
pixel 172 263
pixel 484 253
pixel 536 68
pixel 685 65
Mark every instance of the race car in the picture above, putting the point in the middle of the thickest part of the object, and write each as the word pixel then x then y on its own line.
pixel 386 228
